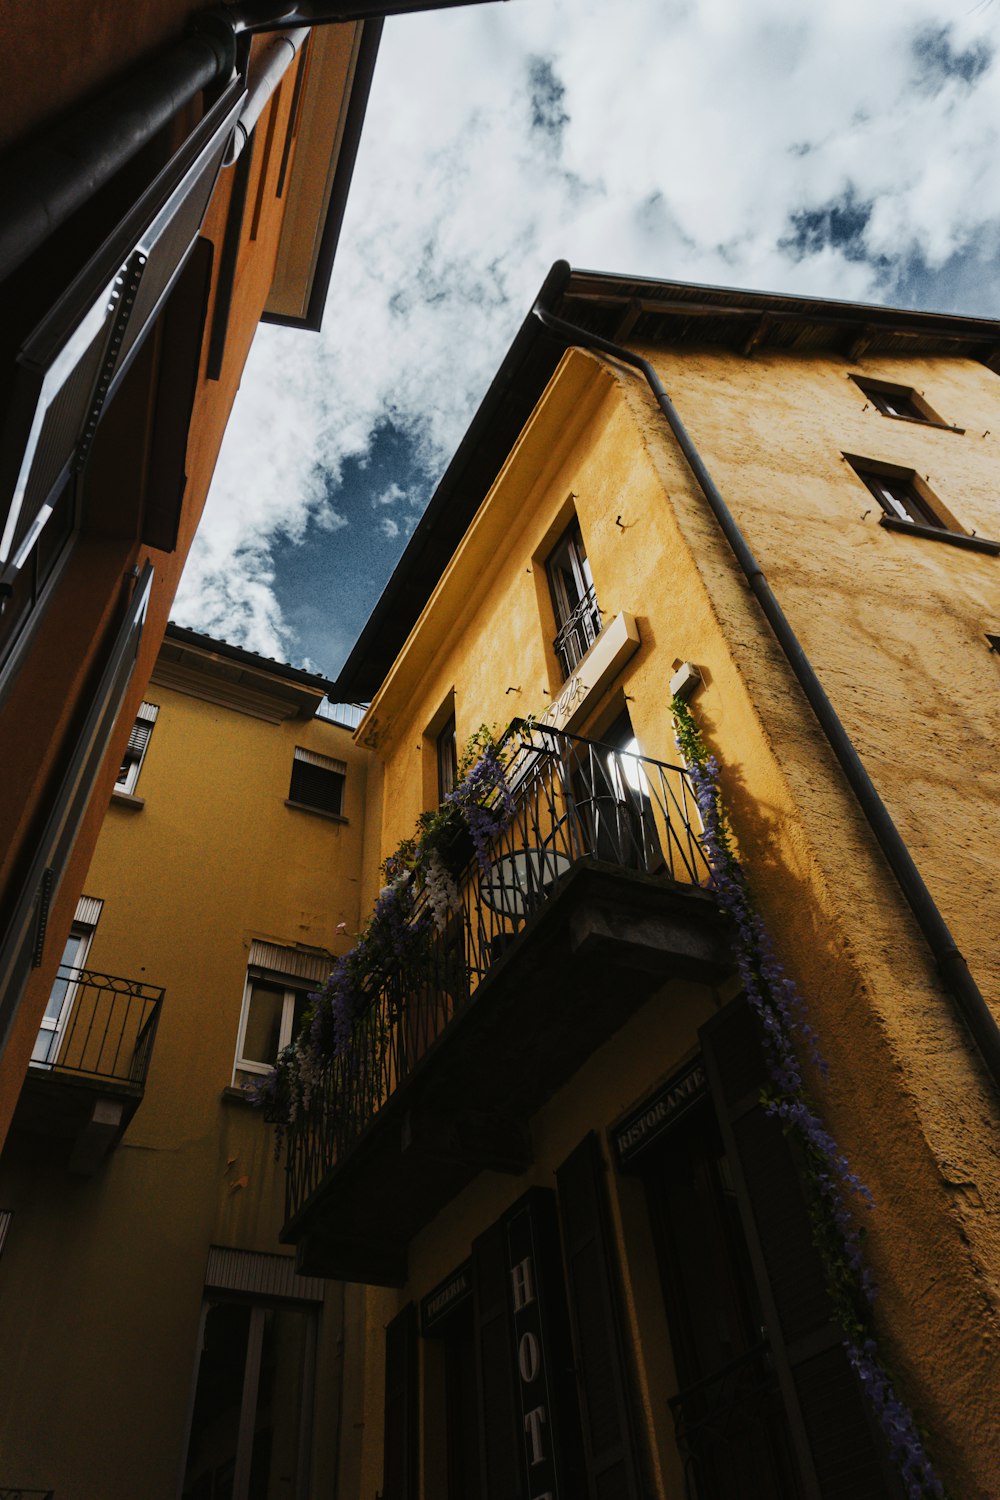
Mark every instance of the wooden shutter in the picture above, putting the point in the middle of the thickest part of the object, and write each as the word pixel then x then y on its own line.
pixel 401 1431
pixel 500 1441
pixel 840 1452
pixel 610 1448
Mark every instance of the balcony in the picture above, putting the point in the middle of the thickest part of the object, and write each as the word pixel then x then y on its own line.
pixel 593 897
pixel 89 1065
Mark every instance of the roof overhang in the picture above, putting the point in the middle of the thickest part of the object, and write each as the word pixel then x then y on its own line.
pixel 332 95
pixel 203 667
pixel 644 313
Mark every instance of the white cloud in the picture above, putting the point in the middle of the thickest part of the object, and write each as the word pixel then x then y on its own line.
pixel 702 141
pixel 390 496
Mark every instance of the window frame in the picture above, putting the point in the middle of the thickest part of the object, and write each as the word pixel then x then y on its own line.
pixel 52 1029
pixel 134 757
pixel 579 623
pixel 943 528
pixel 881 393
pixel 334 767
pixel 446 748
pixel 291 993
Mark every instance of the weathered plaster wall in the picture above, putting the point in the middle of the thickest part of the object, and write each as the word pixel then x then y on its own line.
pixel 102 1284
pixel 894 624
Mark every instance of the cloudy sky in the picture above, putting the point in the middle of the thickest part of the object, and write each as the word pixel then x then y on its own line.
pixel 846 149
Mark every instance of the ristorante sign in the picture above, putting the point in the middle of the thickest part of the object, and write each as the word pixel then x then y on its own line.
pixel 658 1112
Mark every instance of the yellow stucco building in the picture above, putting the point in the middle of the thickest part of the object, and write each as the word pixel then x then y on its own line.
pixel 570 1103
pixel 154 1342
pixel 567 1248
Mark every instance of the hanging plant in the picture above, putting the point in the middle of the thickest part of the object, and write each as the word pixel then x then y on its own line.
pixel 831 1186
pixel 396 945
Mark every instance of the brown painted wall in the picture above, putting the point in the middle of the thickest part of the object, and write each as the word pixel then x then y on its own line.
pixel 66 52
pixel 49 699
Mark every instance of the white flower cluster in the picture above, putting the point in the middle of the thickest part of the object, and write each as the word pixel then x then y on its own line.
pixel 442 892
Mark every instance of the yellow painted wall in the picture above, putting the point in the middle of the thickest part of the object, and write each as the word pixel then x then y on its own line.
pixel 894 625
pixel 102 1278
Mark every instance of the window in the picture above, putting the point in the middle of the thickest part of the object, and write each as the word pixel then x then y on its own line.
pixel 67 982
pixel 447 759
pixel 270 1020
pixel 276 997
pixel 135 751
pixel 317 783
pixel 251 1420
pixel 898 496
pixel 578 616
pixel 897 401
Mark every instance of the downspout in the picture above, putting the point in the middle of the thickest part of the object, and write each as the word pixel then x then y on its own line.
pixel 954 970
pixel 266 73
pixel 45 181
pixel 248 16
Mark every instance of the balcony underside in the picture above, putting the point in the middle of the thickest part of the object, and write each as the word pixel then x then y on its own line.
pixel 604 942
pixel 85 1118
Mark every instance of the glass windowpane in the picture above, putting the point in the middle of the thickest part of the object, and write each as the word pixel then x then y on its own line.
pixel 262 1037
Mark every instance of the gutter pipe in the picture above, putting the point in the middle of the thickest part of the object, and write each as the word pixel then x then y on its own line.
pixel 273 15
pixel 46 181
pixel 953 968
pixel 267 73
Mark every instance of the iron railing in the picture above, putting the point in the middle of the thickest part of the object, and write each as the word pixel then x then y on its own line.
pixel 578 633
pixel 98 1027
pixel 732 1433
pixel 574 800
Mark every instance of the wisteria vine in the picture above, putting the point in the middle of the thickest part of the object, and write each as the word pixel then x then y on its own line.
pixel 396 941
pixel 830 1183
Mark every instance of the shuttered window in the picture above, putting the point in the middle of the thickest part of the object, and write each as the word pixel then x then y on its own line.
pixel 609 1441
pixel 317 783
pixel 399 1480
pixel 840 1452
pixel 135 750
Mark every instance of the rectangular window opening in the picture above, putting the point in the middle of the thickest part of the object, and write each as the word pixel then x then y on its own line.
pixel 574 601
pixel 317 783
pixel 135 750
pixel 899 494
pixel 897 401
pixel 447 759
pixel 275 999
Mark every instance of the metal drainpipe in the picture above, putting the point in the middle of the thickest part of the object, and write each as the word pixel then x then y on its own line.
pixel 952 965
pixel 45 181
pixel 267 74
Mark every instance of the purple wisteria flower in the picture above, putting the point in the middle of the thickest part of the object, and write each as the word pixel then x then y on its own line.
pixel 779 1007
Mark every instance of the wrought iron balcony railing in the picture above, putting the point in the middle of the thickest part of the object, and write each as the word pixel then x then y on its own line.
pixel 578 633
pixel 98 1028
pixel 575 800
